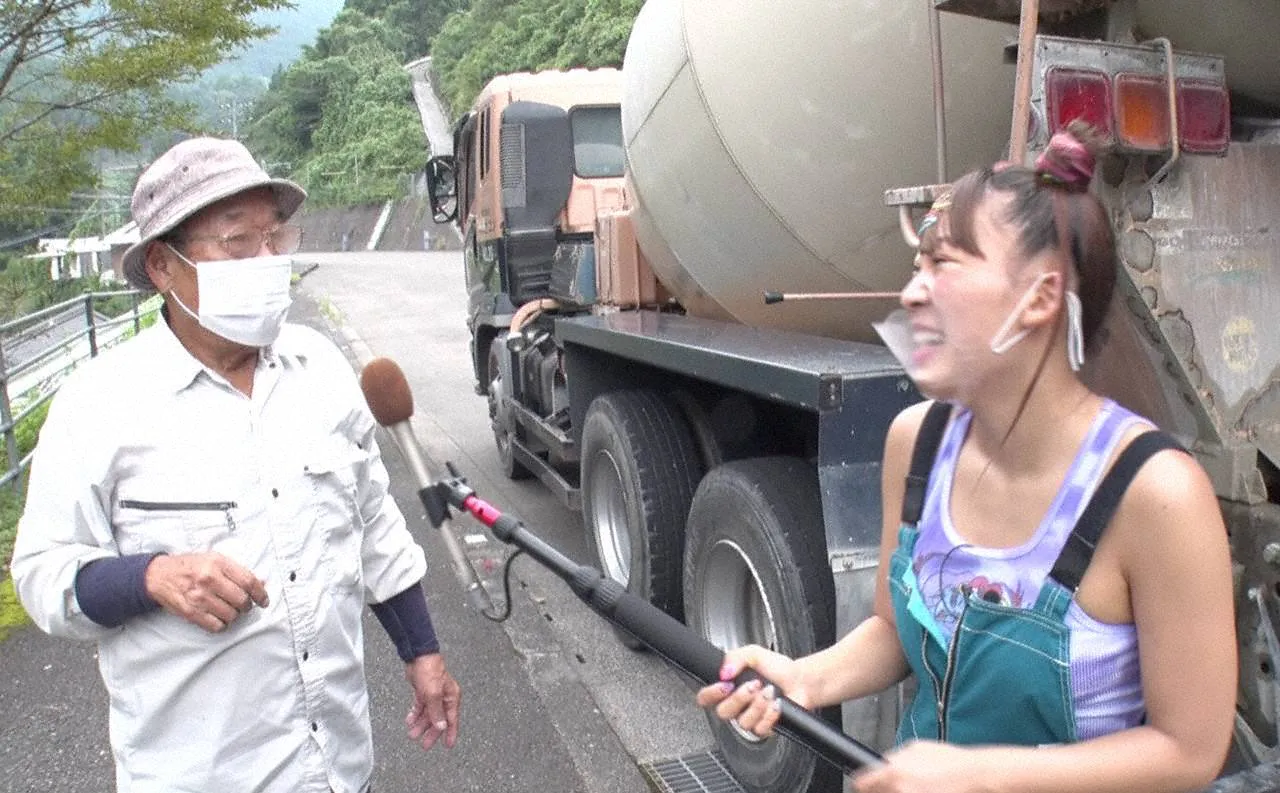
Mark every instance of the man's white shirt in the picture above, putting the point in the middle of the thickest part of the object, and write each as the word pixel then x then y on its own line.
pixel 145 450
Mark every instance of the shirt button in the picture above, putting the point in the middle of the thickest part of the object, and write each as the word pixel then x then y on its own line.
pixel 314 726
pixel 293 576
pixel 305 655
pixel 275 493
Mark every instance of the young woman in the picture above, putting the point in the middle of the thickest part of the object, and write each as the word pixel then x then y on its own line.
pixel 1063 596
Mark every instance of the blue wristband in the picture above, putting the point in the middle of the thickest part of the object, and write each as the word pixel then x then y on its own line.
pixel 407 621
pixel 113 590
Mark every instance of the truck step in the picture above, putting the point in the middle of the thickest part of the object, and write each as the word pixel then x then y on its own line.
pixel 548 431
pixel 567 492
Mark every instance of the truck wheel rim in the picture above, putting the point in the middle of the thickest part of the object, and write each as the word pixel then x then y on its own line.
pixel 609 517
pixel 735 606
pixel 501 437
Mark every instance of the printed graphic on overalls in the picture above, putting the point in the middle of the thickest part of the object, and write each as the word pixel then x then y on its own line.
pixel 946 579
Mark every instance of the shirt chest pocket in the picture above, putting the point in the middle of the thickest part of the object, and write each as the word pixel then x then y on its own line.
pixel 150 525
pixel 332 477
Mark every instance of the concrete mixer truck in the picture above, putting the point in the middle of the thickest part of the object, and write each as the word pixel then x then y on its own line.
pixel 623 227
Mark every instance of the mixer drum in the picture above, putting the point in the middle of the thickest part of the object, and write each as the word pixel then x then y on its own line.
pixel 761 138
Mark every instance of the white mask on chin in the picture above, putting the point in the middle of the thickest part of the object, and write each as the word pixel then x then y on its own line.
pixel 242 300
pixel 1002 342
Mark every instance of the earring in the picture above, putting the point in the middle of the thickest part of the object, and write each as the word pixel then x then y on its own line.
pixel 1075 332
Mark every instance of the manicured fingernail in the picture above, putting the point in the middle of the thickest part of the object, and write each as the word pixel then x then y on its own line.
pixel 769 692
pixel 754 685
pixel 775 704
pixel 728 672
pixel 440 725
pixel 726 686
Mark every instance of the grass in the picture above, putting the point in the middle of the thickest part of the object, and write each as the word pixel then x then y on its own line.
pixel 11 502
pixel 12 615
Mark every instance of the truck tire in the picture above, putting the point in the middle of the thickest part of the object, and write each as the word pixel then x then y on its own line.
pixel 504 428
pixel 756 572
pixel 639 469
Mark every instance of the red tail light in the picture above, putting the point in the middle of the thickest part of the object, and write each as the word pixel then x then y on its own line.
pixel 1079 94
pixel 1204 117
pixel 1142 112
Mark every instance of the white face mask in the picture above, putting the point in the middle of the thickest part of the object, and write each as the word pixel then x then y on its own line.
pixel 242 300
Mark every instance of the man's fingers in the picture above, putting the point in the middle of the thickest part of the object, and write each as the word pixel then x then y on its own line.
pixel 435 712
pixel 209 622
pixel 430 737
pixel 452 704
pixel 252 587
pixel 422 728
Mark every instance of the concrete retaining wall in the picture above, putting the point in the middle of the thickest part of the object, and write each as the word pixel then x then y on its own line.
pixel 409 228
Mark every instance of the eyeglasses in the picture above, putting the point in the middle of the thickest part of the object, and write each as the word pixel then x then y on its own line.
pixel 284 239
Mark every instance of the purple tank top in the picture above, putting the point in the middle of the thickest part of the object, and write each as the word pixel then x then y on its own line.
pixel 1105 680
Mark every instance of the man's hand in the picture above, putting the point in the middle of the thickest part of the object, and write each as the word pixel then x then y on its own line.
pixel 436 698
pixel 205 589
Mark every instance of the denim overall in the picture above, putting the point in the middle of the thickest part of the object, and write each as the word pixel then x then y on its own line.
pixel 1006 676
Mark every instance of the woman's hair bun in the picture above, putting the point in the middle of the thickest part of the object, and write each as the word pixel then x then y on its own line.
pixel 1070 157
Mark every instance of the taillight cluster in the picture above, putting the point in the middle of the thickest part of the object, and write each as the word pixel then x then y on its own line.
pixel 1122 92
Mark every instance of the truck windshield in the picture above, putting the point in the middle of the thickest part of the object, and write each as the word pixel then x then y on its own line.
pixel 597 141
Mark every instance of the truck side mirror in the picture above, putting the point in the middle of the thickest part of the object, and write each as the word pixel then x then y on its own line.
pixel 442 188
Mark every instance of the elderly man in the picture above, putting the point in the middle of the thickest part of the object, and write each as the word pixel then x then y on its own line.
pixel 207 502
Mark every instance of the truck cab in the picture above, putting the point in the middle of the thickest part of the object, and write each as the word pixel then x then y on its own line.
pixel 536 159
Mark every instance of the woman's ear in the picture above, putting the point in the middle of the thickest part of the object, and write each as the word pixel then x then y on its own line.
pixel 1046 301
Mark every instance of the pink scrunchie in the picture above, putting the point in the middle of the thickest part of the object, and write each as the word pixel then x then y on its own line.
pixel 1066 160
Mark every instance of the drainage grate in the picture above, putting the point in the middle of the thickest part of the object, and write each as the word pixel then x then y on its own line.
pixel 702 772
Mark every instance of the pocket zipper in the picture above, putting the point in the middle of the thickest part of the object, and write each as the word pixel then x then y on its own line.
pixel 181 506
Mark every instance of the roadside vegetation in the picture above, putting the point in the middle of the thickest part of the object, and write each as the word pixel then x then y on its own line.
pixel 80 78
pixel 493 37
pixel 341 120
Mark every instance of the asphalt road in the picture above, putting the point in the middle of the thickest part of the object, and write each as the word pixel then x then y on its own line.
pixel 551 700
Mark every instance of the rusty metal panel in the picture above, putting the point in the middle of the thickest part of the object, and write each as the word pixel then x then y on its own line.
pixel 1011 10
pixel 1212 285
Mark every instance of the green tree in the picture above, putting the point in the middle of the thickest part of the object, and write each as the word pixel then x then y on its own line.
pixel 77 76
pixel 343 115
pixel 416 21
pixel 498 36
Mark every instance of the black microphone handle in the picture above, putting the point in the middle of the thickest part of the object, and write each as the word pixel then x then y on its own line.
pixel 695 655
pixel 665 635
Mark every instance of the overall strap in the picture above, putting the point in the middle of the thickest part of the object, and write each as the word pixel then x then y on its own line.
pixel 1076 554
pixel 926 449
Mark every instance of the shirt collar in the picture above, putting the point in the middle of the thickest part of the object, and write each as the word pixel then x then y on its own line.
pixel 177 367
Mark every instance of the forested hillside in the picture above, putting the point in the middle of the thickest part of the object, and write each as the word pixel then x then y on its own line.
pixel 497 36
pixel 341 119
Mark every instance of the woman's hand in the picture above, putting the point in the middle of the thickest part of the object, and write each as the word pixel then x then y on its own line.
pixel 754 705
pixel 926 767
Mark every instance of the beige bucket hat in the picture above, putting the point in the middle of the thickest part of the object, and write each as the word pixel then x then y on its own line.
pixel 187 178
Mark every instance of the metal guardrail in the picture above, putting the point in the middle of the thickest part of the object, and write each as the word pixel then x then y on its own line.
pixel 40 374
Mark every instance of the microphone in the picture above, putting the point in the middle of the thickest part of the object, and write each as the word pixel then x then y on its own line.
pixel 387 393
